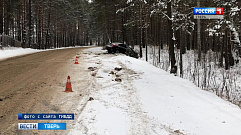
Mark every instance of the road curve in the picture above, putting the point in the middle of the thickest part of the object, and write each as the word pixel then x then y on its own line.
pixel 28 85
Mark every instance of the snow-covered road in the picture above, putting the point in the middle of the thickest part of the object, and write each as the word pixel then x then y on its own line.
pixel 132 97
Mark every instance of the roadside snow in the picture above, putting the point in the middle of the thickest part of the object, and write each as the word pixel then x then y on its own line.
pixel 8 52
pixel 181 105
pixel 142 99
pixel 14 51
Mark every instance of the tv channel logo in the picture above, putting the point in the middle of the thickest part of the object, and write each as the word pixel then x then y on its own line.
pixel 208 11
pixel 41 126
pixel 27 126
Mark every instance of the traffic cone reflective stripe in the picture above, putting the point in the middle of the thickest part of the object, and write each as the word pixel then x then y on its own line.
pixel 68 85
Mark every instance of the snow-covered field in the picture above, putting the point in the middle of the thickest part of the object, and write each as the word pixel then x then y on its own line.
pixel 132 97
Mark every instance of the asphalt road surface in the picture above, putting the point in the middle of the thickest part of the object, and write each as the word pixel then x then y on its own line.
pixel 33 84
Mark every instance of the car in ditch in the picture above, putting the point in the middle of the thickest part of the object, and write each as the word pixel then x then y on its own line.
pixel 121 48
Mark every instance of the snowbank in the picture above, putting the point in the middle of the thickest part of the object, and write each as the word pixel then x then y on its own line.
pixel 14 51
pixel 8 52
pixel 147 100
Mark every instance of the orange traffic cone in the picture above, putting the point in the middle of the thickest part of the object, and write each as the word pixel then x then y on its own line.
pixel 76 61
pixel 68 85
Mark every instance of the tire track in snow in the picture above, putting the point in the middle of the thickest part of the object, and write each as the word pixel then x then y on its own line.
pixel 121 95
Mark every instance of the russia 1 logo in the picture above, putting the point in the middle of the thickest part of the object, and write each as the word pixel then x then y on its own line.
pixel 219 11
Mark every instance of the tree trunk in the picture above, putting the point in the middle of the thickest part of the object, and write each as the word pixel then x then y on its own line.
pixel 30 25
pixel 170 40
pixel 222 52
